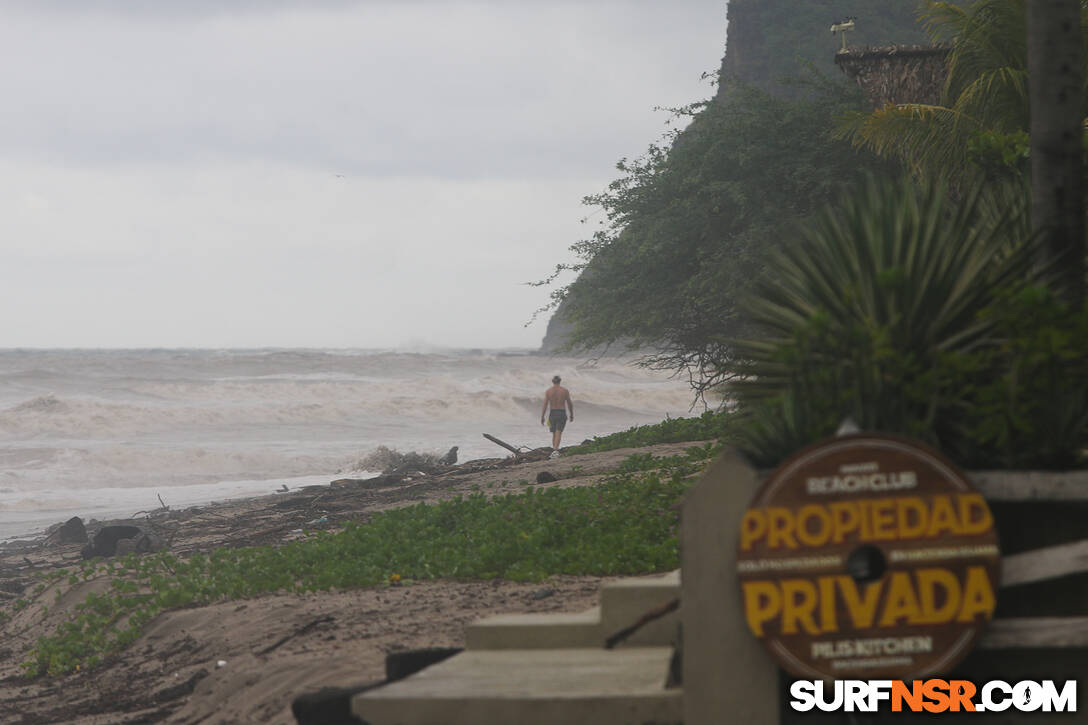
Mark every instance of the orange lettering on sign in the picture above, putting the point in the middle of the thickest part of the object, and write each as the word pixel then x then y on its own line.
pixel 846 520
pixel 762 602
pixel 902 603
pixel 884 519
pixel 911 515
pixel 929 580
pixel 780 528
pixel 862 610
pixel 828 621
pixel 975 516
pixel 978 595
pixel 942 517
pixel 752 528
pixel 798 606
pixel 811 606
pixel 813 514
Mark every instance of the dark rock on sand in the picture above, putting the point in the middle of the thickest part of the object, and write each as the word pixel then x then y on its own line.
pixel 72 531
pixel 546 477
pixel 145 543
pixel 105 541
pixel 450 458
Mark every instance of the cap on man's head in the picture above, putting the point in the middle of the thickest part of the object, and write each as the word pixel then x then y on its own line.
pixel 556 379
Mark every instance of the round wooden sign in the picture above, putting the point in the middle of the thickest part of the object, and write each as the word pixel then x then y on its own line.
pixel 868 556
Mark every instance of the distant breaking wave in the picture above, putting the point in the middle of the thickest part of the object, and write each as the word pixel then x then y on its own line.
pixel 79 427
pixel 168 406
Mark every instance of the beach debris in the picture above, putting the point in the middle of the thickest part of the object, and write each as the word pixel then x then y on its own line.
pixel 502 443
pixel 376 482
pixel 219 664
pixel 320 520
pixel 284 488
pixel 546 477
pixel 541 594
pixel 327 619
pixel 163 503
pixel 450 458
pixel 391 461
pixel 72 531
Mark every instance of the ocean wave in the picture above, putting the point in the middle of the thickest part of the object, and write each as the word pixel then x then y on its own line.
pixel 161 407
pixel 133 466
pixel 29 375
pixel 48 403
pixel 81 422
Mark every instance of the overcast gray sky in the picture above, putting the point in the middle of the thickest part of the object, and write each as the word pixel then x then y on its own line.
pixel 316 173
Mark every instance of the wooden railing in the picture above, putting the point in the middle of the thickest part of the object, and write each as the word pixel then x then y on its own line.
pixel 1043 564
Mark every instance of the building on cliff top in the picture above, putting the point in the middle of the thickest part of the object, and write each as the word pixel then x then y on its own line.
pixel 898 73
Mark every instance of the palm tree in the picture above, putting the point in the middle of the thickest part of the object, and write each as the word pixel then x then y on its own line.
pixel 985 95
pixel 861 310
pixel 1056 61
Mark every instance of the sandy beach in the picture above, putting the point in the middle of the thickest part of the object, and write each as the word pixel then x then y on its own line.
pixel 272 648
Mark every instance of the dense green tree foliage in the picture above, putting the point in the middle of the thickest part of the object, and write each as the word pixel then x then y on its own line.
pixel 687 227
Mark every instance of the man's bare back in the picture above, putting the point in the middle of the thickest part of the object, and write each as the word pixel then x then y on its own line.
pixel 557 398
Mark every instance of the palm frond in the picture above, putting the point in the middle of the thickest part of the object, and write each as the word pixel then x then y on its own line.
pixel 893 275
pixel 998 98
pixel 927 139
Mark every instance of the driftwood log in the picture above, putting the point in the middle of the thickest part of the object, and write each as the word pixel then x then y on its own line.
pixel 504 444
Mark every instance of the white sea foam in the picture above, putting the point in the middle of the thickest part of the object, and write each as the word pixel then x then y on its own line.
pixel 76 424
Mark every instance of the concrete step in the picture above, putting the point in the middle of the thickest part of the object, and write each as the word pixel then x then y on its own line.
pixel 625 600
pixel 536 631
pixel 622 603
pixel 578 686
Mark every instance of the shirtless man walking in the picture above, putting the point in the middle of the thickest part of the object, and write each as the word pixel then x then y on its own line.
pixel 558 399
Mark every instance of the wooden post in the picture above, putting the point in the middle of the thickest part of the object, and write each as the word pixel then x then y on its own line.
pixel 728 676
pixel 1055 47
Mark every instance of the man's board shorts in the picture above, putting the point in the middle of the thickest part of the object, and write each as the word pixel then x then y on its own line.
pixel 557 420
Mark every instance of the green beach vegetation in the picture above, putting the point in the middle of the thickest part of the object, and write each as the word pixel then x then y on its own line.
pixel 626 524
pixel 710 426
